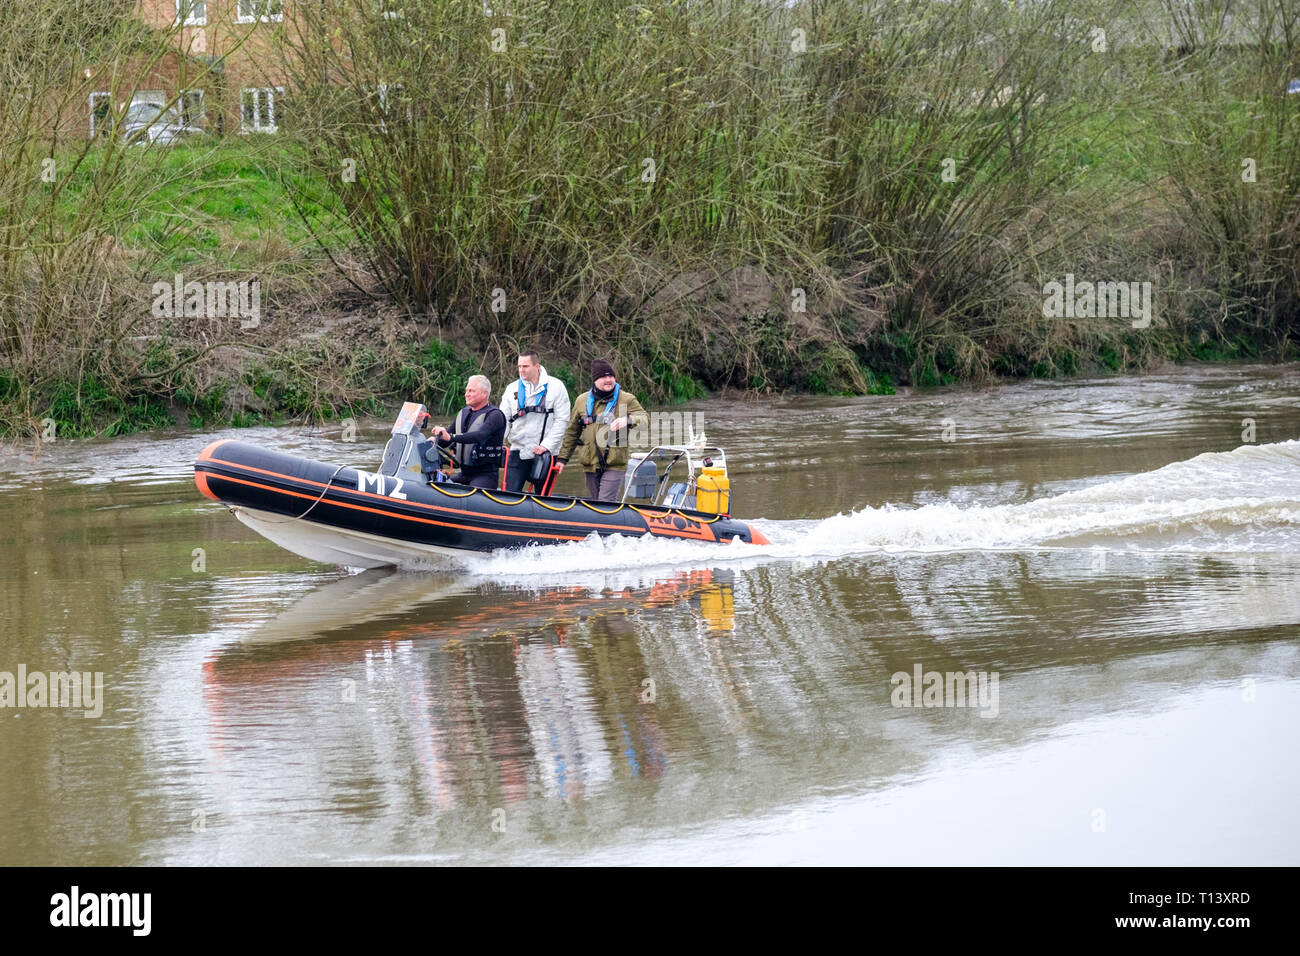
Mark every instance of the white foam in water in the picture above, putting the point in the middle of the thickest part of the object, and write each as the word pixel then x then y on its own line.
pixel 1219 502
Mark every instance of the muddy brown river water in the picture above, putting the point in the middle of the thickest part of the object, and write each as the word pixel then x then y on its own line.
pixel 1113 566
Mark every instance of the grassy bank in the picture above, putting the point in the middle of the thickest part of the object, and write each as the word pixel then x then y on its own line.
pixel 840 197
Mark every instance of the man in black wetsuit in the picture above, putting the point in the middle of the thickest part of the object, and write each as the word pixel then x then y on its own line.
pixel 476 436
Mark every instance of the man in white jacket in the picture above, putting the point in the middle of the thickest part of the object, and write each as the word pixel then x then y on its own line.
pixel 537 412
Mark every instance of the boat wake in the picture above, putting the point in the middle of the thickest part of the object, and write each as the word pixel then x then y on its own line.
pixel 1246 500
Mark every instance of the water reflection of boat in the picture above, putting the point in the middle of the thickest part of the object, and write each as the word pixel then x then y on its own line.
pixel 562 719
pixel 374 595
pixel 465 683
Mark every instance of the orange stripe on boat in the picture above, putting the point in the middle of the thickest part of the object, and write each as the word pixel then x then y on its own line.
pixel 201 479
pixel 418 504
pixel 400 517
pixel 206 454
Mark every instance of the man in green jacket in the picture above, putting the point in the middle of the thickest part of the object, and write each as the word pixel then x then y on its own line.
pixel 601 422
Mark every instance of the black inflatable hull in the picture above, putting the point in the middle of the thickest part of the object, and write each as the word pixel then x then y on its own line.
pixel 361 519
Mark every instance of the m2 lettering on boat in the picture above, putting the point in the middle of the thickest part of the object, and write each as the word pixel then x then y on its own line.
pixel 75 909
pixel 379 485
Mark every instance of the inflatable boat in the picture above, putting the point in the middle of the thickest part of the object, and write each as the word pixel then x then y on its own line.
pixel 407 512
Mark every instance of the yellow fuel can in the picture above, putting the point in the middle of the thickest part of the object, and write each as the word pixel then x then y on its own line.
pixel 713 491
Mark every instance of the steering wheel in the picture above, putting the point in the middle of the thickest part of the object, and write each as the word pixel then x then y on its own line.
pixel 445 459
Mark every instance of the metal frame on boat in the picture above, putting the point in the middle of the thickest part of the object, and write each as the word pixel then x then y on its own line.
pixel 692 458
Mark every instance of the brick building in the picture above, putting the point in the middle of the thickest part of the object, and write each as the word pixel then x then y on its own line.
pixel 217 63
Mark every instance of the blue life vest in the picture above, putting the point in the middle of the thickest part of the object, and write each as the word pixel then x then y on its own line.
pixel 523 409
pixel 610 410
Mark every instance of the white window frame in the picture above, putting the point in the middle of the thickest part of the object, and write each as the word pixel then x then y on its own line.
pixel 258 18
pixel 191 20
pixel 106 95
pixel 159 97
pixel 383 89
pixel 261 95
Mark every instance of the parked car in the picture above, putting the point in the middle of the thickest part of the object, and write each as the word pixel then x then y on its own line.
pixel 150 122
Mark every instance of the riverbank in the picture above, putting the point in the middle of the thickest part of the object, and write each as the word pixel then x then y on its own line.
pixel 321 349
pixel 947 192
pixel 307 362
pixel 328 342
pixel 332 353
